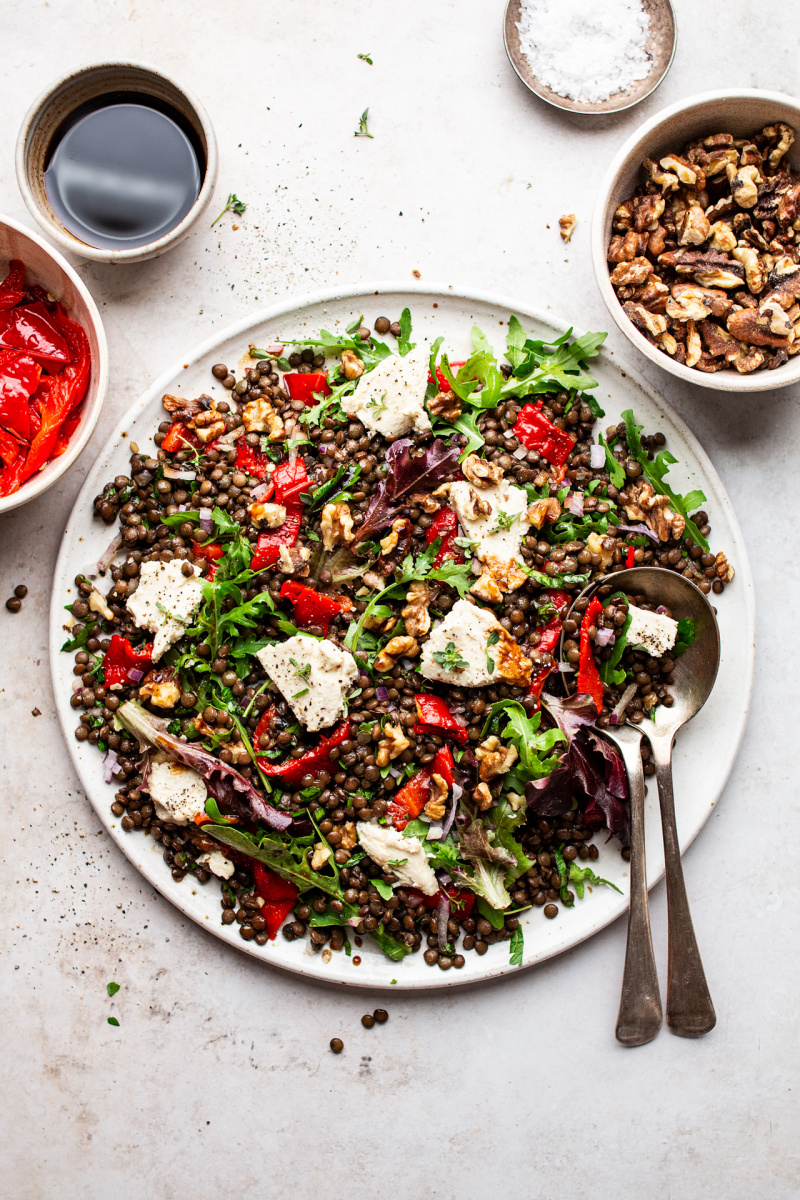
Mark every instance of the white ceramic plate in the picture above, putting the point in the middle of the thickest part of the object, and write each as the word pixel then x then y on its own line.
pixel 700 776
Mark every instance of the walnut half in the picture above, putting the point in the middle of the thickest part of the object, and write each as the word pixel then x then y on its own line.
pixel 336 524
pixel 396 647
pixel 494 758
pixel 393 742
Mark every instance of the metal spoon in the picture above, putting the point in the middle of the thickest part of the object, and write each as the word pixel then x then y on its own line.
pixel 690 1012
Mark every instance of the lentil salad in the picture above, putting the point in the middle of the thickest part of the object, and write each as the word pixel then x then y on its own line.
pixel 221 705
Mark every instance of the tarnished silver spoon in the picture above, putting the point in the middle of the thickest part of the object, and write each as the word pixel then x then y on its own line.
pixel 690 1012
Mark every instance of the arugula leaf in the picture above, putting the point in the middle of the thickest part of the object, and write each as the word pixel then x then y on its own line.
pixel 524 733
pixel 616 470
pixel 656 471
pixel 404 343
pixel 517 946
pixel 561 867
pixel 551 366
pixel 212 810
pixel 81 638
pixel 608 669
pixel 687 633
pixel 515 343
pixel 467 424
pixel 580 876
pixel 383 889
pixel 492 915
pixel 555 581
pixel 455 575
pixel 480 341
pixel 191 517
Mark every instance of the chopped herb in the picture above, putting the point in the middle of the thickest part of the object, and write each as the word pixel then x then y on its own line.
pixel 383 889
pixel 687 633
pixel 580 876
pixel 503 521
pixel 113 1021
pixel 395 862
pixel 297 695
pixel 492 640
pixel 234 205
pixel 450 658
pixel 365 58
pixel 516 947
pixel 112 988
pixel 363 130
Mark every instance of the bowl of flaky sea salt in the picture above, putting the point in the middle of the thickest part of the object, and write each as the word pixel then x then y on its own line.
pixel 590 59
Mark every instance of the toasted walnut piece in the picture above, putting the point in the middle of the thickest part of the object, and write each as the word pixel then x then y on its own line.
pixel 751 237
pixel 511 663
pixel 785 134
pixel 336 524
pixel 788 206
pixel 623 217
pixel 667 343
pixel 98 604
pixel 665 179
pixel 717 340
pixel 437 805
pixel 723 569
pixel 179 408
pixel 293 560
pixel 634 244
pixel 694 347
pixel 258 415
pixel 648 211
pixel 428 504
pixel 161 688
pixel 476 506
pixel 717 277
pixel 722 237
pixel 749 358
pixel 389 543
pixel 657 241
pixel 652 295
pixel 615 249
pixel 567 224
pixel 487 588
pixel 415 611
pixel 320 856
pixel 352 366
pixel 716 301
pixel 691 175
pixel 483 797
pixel 396 647
pixel 753 328
pixel 717 162
pixel 349 838
pixel 779 321
pixel 687 303
pixel 693 227
pixel 642 504
pixel 208 425
pixel 445 404
pixel 543 512
pixel 494 759
pixel 596 544
pixel 654 323
pixel 268 516
pixel 481 472
pixel 744 184
pixel 393 742
pixel 754 273
pixel 627 274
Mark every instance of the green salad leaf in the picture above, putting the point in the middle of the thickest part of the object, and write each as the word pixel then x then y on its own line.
pixel 656 470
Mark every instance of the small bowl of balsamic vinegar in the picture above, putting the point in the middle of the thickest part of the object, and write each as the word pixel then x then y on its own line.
pixel 117 162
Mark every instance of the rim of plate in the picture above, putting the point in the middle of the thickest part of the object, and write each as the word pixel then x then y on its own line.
pixel 311 967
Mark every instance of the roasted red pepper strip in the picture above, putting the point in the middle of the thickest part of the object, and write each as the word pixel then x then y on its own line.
pixel 263 726
pixel 443 765
pixel 177 437
pixel 268 545
pixel 12 476
pixel 560 600
pixel 311 607
pixel 290 479
pixel 210 551
pixel 12 289
pixel 31 328
pixel 77 371
pixel 303 386
pixel 629 557
pixel 312 762
pixel 435 717
pixel 461 900
pixel 56 403
pixel 279 896
pixel 537 433
pixel 445 526
pixel 440 379
pixel 19 379
pixel 550 635
pixel 410 800
pixel 536 685
pixel 589 683
pixel 66 431
pixel 252 461
pixel 120 658
pixel 9 448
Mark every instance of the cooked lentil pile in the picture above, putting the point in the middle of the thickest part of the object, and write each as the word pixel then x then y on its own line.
pixel 326 669
pixel 704 256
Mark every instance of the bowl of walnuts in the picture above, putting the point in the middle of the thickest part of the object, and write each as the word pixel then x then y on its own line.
pixel 696 240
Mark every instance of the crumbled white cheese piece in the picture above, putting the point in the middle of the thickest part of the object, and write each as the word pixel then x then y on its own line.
pixel 217 864
pixel 404 856
pixel 391 397
pixel 655 631
pixel 468 628
pixel 313 676
pixel 178 793
pixel 165 601
pixel 500 533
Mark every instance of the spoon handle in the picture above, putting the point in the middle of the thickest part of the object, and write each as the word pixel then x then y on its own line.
pixel 690 1012
pixel 639 1018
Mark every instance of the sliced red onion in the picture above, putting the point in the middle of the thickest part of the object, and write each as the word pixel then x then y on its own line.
pixel 597 457
pixel 182 508
pixel 565 668
pixel 110 764
pixel 260 490
pixel 104 562
pixel 435 832
pixel 395 772
pixel 382 694
pixel 458 792
pixel 144 768
pixel 645 529
pixel 407 664
pixel 443 915
pixel 175 473
pixel 661 609
pixel 77 684
pixel 520 452
pixel 574 503
pixel 135 675
pixel 624 701
pixel 232 435
pixel 605 637
pixel 205 519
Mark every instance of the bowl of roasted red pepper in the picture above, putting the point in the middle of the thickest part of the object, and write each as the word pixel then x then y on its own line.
pixel 53 365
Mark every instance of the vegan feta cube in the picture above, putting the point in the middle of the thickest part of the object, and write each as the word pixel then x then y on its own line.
pixel 178 792
pixel 655 631
pixel 391 397
pixel 165 601
pixel 404 856
pixel 313 675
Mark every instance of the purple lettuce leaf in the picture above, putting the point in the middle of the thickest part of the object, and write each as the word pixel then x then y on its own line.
pixel 406 475
pixel 224 783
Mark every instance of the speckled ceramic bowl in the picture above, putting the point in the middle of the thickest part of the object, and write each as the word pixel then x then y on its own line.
pixel 52 108
pixel 45 266
pixel 738 113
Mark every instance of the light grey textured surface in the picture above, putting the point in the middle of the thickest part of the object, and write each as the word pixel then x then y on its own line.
pixel 219 1077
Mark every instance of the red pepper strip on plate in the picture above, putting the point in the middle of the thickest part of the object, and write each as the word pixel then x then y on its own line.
pixel 589 683
pixel 440 379
pixel 19 379
pixel 121 658
pixel 433 716
pixel 313 761
pixel 268 545
pixel 303 386
pixel 30 328
pixel 629 559
pixel 252 461
pixel 550 635
pixel 279 896
pixel 210 551
pixel 445 526
pixel 537 433
pixel 560 600
pixel 290 479
pixel 12 289
pixel 410 800
pixel 263 726
pixel 443 765
pixel 312 608
pixel 461 900
pixel 536 685
pixel 177 437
